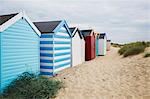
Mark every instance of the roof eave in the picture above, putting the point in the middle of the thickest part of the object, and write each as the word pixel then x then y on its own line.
pixel 74 32
pixel 31 23
pixel 11 21
pixel 63 22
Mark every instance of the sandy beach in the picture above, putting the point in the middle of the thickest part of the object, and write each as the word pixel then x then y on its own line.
pixel 108 77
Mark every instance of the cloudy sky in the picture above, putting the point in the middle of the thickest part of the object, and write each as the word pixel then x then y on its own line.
pixel 122 20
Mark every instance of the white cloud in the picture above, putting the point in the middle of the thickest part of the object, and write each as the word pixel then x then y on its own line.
pixel 124 20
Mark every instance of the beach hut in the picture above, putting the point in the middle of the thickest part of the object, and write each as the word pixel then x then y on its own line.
pixel 108 45
pixel 97 44
pixel 89 37
pixel 55 47
pixel 102 44
pixel 78 47
pixel 19 47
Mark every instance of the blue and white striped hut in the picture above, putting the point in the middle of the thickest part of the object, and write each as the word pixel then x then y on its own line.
pixel 19 47
pixel 55 47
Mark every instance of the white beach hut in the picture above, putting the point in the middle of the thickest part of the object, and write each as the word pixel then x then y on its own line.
pixel 102 44
pixel 78 47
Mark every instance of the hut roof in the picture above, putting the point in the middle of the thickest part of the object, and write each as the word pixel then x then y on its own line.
pixel 5 18
pixel 10 19
pixel 86 32
pixel 74 30
pixel 102 35
pixel 47 27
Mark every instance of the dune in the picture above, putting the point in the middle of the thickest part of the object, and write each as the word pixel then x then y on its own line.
pixel 108 77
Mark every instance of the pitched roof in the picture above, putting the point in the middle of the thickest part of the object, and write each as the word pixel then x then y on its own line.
pixel 102 35
pixel 74 30
pixel 47 27
pixel 5 18
pixel 10 19
pixel 86 32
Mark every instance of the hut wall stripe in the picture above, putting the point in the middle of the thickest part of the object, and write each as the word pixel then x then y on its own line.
pixel 58 57
pixel 61 48
pixel 46 48
pixel 46 70
pixel 62 59
pixel 46 51
pixel 55 64
pixel 46 73
pixel 57 51
pixel 62 62
pixel 63 67
pixel 45 36
pixel 46 42
pixel 64 51
pixel 56 60
pixel 56 67
pixel 63 34
pixel 46 39
pixel 46 61
pixel 60 39
pixel 59 54
pixel 51 45
pixel 46 67
pixel 46 64
pixel 45 54
pixel 60 36
pixel 45 57
pixel 55 42
pixel 61 42
pixel 55 39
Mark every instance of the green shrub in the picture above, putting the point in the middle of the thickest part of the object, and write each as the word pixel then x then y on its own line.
pixel 133 48
pixel 123 49
pixel 147 55
pixel 30 86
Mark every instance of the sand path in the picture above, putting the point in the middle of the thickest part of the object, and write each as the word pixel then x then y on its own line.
pixel 108 77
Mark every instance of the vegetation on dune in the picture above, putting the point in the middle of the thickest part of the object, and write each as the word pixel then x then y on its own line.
pixel 134 51
pixel 30 86
pixel 147 55
pixel 133 48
